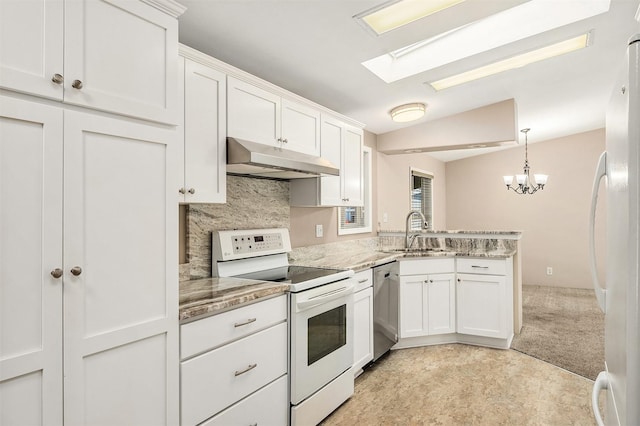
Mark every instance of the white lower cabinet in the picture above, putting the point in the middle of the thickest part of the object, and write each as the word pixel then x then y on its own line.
pixel 363 321
pixel 485 297
pixel 89 280
pixel 473 305
pixel 427 297
pixel 259 405
pixel 239 377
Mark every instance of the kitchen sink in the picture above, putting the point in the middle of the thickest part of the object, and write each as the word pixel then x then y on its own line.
pixel 418 250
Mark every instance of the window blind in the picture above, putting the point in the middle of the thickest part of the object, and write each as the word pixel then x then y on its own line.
pixel 421 198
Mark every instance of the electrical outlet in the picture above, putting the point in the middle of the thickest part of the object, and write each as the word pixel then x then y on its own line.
pixel 319 231
pixel 549 270
pixel 385 218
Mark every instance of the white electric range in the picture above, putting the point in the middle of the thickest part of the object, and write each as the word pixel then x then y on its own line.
pixel 320 316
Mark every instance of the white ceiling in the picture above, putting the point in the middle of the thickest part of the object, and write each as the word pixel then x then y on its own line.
pixel 315 48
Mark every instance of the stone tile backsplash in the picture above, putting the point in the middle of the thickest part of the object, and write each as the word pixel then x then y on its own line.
pixel 251 203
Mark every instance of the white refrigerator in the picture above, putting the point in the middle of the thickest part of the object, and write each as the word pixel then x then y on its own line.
pixel 619 297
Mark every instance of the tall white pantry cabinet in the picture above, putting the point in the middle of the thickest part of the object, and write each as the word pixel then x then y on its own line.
pixel 88 273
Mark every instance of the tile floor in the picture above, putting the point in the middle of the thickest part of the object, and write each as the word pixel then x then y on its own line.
pixel 465 385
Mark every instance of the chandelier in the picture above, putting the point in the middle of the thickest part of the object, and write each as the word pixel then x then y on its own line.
pixel 525 184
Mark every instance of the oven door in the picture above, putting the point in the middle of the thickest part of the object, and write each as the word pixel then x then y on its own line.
pixel 321 324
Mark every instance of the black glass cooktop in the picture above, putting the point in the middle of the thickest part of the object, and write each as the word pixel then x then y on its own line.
pixel 290 274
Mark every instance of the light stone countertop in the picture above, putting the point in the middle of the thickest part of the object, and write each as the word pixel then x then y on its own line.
pixel 361 261
pixel 208 296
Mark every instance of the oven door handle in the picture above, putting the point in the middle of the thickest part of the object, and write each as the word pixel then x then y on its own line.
pixel 325 297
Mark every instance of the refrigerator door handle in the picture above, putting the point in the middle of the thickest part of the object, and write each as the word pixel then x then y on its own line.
pixel 601 383
pixel 601 171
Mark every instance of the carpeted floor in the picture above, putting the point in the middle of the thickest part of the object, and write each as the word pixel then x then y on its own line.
pixel 562 326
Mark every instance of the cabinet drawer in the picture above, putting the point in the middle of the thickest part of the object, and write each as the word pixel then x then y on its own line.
pixel 215 380
pixel 364 278
pixel 268 406
pixel 482 266
pixel 426 266
pixel 211 332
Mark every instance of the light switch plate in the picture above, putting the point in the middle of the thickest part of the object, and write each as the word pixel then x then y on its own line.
pixel 319 231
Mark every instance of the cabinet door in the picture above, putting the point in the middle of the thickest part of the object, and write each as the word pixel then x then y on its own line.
pixel 252 113
pixel 30 248
pixel 204 134
pixel 482 309
pixel 331 136
pixel 121 310
pixel 31 46
pixel 351 168
pixel 363 328
pixel 300 127
pixel 413 302
pixel 441 306
pixel 125 54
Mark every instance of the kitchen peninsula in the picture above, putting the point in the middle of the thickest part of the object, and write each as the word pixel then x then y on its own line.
pixel 361 254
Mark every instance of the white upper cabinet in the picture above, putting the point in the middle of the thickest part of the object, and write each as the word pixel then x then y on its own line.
pixel 341 144
pixel 111 55
pixel 31 46
pixel 300 127
pixel 257 115
pixel 203 131
pixel 351 167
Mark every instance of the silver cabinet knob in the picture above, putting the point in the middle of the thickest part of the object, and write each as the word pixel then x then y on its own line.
pixel 77 84
pixel 285 141
pixel 192 191
pixel 76 270
pixel 57 273
pixel 57 79
pixel 182 190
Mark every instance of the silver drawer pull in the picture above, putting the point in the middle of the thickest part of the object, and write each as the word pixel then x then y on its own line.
pixel 363 281
pixel 481 267
pixel 249 368
pixel 249 321
pixel 253 424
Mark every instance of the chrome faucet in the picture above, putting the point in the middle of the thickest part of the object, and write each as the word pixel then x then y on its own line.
pixel 408 241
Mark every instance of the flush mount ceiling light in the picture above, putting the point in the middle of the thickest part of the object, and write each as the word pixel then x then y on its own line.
pixel 407 112
pixel 395 14
pixel 513 62
pixel 518 23
pixel 525 185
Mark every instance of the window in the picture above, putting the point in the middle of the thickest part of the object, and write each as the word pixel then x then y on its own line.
pixel 421 197
pixel 356 220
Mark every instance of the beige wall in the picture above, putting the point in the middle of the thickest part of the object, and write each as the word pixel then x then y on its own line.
pixel 554 221
pixel 394 186
pixel 305 219
pixel 490 125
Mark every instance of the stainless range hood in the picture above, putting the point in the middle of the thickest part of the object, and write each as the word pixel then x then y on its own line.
pixel 254 159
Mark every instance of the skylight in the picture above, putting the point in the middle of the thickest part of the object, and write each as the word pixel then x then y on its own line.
pixel 522 21
pixel 396 14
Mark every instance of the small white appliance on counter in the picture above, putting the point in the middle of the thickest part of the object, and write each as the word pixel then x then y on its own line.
pixel 320 316
pixel 620 298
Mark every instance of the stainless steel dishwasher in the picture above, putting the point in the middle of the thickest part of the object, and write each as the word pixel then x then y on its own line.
pixel 385 308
